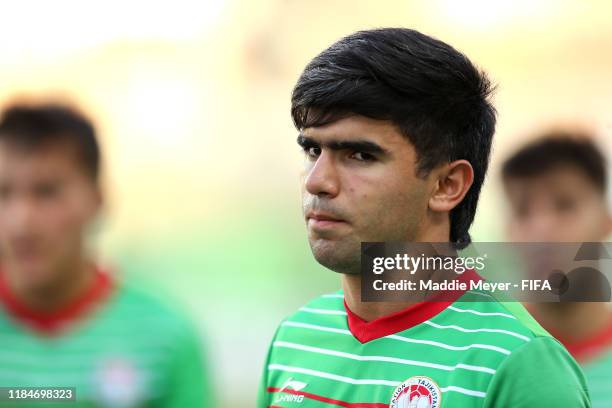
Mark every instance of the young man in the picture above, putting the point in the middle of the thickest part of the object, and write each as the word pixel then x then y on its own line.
pixel 397 127
pixel 65 322
pixel 556 187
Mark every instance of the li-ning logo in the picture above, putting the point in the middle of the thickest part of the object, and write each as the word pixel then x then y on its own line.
pixel 416 392
pixel 288 391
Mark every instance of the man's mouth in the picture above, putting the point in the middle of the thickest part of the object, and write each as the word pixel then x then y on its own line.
pixel 319 220
pixel 25 250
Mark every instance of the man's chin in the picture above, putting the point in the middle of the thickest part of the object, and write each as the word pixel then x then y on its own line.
pixel 31 276
pixel 336 257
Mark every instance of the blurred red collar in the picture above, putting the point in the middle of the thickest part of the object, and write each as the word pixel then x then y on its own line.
pixel 590 347
pixel 51 323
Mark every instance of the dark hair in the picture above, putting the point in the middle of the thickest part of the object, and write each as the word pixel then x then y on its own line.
pixel 555 149
pixel 36 126
pixel 434 95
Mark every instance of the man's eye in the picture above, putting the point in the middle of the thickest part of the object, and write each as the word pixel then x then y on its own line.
pixel 564 204
pixel 312 152
pixel 4 192
pixel 362 156
pixel 47 190
pixel 522 211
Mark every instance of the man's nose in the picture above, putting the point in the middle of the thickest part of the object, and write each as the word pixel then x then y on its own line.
pixel 543 226
pixel 322 178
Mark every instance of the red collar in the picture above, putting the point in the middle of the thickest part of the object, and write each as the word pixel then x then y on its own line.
pixel 406 318
pixel 588 348
pixel 51 323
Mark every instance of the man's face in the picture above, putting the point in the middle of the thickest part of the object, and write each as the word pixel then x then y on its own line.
pixel 46 201
pixel 359 184
pixel 561 205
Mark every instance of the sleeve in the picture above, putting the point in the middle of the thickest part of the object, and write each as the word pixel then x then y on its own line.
pixel 263 397
pixel 190 383
pixel 539 374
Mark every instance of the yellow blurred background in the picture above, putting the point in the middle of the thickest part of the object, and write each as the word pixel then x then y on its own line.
pixel 191 99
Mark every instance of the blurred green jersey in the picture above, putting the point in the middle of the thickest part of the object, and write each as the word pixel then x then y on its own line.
pixel 594 354
pixel 118 346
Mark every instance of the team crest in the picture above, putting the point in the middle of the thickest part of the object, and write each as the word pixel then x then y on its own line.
pixel 416 392
pixel 119 383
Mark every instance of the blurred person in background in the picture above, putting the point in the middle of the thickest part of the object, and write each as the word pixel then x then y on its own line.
pixel 556 188
pixel 64 320
pixel 396 128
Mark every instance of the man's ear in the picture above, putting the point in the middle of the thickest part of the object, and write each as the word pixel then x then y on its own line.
pixel 97 203
pixel 609 225
pixel 453 182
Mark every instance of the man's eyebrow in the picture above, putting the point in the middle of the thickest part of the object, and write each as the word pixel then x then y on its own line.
pixel 357 145
pixel 306 141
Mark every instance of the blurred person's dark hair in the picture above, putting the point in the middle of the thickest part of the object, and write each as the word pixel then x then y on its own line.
pixel 36 126
pixel 556 149
pixel 434 95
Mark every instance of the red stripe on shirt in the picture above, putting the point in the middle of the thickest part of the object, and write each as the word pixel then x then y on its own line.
pixel 330 401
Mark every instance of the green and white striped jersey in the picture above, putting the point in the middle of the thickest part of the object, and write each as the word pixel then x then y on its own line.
pixel 130 350
pixel 466 353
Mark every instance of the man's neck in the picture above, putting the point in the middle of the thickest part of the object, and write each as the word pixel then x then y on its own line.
pixel 49 298
pixel 573 321
pixel 368 311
